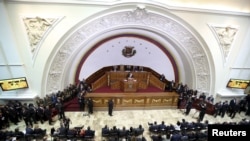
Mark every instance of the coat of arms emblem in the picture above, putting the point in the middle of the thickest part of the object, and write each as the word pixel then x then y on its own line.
pixel 128 51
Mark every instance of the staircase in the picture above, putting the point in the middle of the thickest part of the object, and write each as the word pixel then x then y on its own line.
pixel 72 105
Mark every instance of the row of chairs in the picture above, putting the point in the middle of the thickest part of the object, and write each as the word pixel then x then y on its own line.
pixel 170 130
pixel 73 137
pixel 24 137
pixel 119 135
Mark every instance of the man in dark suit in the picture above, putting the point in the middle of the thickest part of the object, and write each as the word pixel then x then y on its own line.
pixel 60 109
pixel 123 133
pixel 189 106
pixel 48 114
pixel 171 85
pixel 33 113
pixel 248 105
pixel 202 111
pixel 26 117
pixel 89 132
pixel 81 100
pixel 72 132
pixel 40 113
pixel 176 136
pixel 62 131
pixel 105 130
pixel 90 105
pixel 179 88
pixel 154 127
pixel 29 130
pixel 217 108
pixel 139 130
pixel 224 108
pixel 110 106
pixel 38 130
pixel 232 105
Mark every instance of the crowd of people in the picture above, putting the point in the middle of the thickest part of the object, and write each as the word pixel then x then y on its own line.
pixel 53 104
pixel 184 130
pixel 116 134
pixel 188 96
pixel 41 110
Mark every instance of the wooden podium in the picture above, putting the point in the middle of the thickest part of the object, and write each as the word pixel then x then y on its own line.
pixel 129 85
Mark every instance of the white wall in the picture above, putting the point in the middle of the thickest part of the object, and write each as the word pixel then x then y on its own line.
pixel 69 15
pixel 202 22
pixel 11 64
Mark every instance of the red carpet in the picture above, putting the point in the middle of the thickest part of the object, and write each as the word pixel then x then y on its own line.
pixel 73 104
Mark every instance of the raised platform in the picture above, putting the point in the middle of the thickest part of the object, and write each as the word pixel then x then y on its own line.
pixel 135 100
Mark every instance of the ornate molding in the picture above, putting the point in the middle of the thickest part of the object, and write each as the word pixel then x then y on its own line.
pixel 36 28
pixel 155 101
pixel 141 19
pixel 127 101
pixel 167 100
pixel 225 37
pixel 139 101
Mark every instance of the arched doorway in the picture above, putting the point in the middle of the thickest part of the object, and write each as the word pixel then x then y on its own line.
pixel 189 53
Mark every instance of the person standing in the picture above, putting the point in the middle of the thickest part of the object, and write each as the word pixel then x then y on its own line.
pixel 81 101
pixel 203 110
pixel 67 121
pixel 130 75
pixel 171 86
pixel 189 106
pixel 33 113
pixel 40 113
pixel 217 108
pixel 110 107
pixel 60 109
pixel 248 105
pixel 26 117
pixel 232 108
pixel 90 106
pixel 48 114
pixel 180 101
pixel 224 108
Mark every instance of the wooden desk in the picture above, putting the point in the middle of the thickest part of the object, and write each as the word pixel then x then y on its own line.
pixel 130 85
pixel 113 80
pixel 134 100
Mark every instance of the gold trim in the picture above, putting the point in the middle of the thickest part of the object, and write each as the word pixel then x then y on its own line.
pixel 156 100
pixel 139 101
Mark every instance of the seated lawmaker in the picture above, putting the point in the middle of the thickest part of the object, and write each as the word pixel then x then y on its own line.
pixel 153 127
pixel 29 130
pixel 82 132
pixel 17 132
pixel 123 132
pixel 105 130
pixel 62 130
pixel 72 132
pixel 162 126
pixel 139 130
pixel 89 132
pixel 38 130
